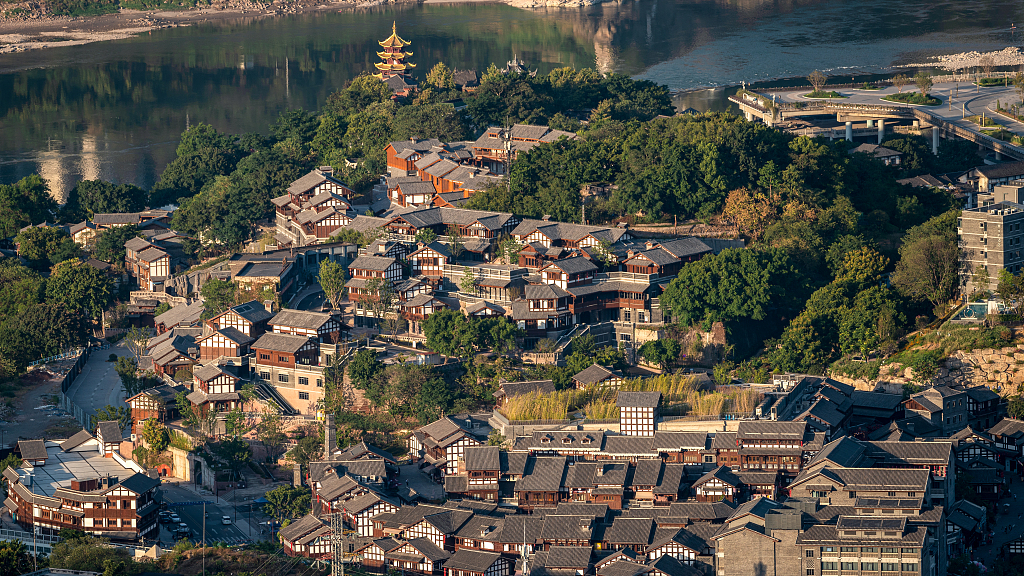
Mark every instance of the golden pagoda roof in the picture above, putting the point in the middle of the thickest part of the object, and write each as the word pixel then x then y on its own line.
pixel 394 40
pixel 394 54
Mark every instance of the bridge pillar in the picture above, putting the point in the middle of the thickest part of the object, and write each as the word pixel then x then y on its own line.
pixel 935 140
pixel 999 156
pixel 749 116
pixel 849 131
pixel 881 130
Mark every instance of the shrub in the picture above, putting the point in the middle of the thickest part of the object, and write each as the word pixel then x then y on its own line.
pixel 112 358
pixel 913 98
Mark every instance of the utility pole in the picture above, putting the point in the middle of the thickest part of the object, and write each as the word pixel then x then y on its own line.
pixel 337 545
pixel 203 520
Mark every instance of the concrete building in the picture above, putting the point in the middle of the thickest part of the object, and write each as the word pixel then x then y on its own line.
pixel 990 238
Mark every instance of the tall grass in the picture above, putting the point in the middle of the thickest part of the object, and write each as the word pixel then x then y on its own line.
pixel 680 394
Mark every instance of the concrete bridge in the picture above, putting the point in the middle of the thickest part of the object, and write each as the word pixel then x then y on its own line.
pixel 771 111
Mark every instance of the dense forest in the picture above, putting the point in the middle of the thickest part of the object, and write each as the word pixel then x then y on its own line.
pixel 824 227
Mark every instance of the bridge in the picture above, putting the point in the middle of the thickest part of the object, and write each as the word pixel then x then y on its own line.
pixel 771 111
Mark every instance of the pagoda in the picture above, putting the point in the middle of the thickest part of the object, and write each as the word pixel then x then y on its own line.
pixel 393 57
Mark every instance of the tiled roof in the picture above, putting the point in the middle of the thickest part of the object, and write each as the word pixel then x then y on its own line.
pixel 36 449
pixel 300 319
pixel 253 311
pixel 565 527
pixel 676 440
pixel 593 374
pixel 377 263
pixel 281 342
pixel 875 400
pixel 483 458
pixel 628 445
pixel 574 265
pixel 472 560
pixel 630 531
pixel 543 474
pixel 685 247
pixel 638 399
pixel 723 473
pixel 567 557
pixel 671 479
pixel 767 429
pixel 79 438
pixel 109 431
pixel 648 472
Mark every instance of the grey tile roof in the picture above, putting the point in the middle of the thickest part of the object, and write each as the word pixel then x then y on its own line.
pixel 575 265
pixel 648 472
pixel 513 463
pixel 137 244
pixel 708 511
pixel 449 521
pixel 300 528
pixel 415 145
pixel 543 292
pixel 429 550
pixel 300 319
pixel 109 431
pixel 186 314
pixel 543 474
pixel 622 568
pixel 934 453
pixel 723 473
pixel 679 440
pixel 768 429
pixel 79 438
pixel 510 389
pixel 209 372
pixel 253 311
pixel 570 557
pixel 685 247
pixel 35 449
pixel 875 400
pixel 281 342
pixel 140 483
pixel 310 181
pixel 565 527
pixel 724 441
pixel 376 263
pixel 152 255
pixel 1008 427
pixel 671 479
pixel 559 231
pixel 592 374
pixel 519 526
pixel 567 439
pixel 363 223
pixel 472 560
pixel 844 452
pixel 630 531
pixel 638 399
pixel 1004 170
pixel 483 458
pixel 597 511
pixel 117 218
pixel 628 445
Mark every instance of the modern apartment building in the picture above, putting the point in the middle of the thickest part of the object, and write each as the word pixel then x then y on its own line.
pixel 991 239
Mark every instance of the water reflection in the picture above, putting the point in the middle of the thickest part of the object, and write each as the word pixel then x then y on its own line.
pixel 115 110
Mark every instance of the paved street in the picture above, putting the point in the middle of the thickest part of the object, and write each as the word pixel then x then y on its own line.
pixel 1008 525
pixel 238 532
pixel 99 384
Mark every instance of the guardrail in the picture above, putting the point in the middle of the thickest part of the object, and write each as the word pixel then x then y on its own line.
pixel 61 356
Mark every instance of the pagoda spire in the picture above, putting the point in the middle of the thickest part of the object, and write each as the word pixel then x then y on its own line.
pixel 393 56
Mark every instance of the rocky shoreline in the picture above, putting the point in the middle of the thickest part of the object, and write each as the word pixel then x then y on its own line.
pixel 1010 56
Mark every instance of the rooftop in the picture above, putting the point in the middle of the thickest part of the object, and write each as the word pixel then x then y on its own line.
pixel 63 467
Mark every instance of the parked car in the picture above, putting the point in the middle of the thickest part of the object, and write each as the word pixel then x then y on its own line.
pixel 225 519
pixel 183 528
pixel 175 518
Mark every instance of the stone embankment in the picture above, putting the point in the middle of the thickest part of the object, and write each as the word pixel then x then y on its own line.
pixel 999 368
pixel 1011 56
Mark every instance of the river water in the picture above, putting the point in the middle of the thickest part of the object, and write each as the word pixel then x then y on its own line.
pixel 114 110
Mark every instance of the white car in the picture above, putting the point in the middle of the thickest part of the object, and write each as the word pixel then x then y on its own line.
pixel 225 519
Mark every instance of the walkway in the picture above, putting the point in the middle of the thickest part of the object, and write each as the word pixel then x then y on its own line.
pixel 99 385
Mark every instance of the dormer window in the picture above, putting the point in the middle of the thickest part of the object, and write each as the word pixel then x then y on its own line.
pixel 586 440
pixel 545 440
pixel 567 440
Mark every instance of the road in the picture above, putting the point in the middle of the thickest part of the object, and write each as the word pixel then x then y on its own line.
pixel 967 99
pixel 99 385
pixel 216 531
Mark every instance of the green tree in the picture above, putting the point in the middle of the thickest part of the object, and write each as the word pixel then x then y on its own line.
pixel 101 197
pixel 332 280
pixel 13 558
pixel 924 82
pixel 469 280
pixel 202 154
pixel 449 333
pixel 128 370
pixel 88 554
pixel 270 433
pixel 440 76
pixel 155 434
pixel 433 399
pixel 110 243
pixel 426 236
pixel 734 285
pixel 1016 408
pixel 79 286
pixel 361 92
pixel 233 453
pixel 120 414
pixel 495 438
pixel 218 296
pixel 380 299
pixel 441 121
pixel 44 247
pixel 929 262
pixel 26 202
pixel 364 368
pixel 288 502
pixel 309 447
pixel 661 352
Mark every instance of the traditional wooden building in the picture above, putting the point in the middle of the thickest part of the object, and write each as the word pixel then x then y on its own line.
pixel 717 485
pixel 249 318
pixel 430 259
pixel 227 342
pixel 159 402
pixel 322 326
pixel 638 412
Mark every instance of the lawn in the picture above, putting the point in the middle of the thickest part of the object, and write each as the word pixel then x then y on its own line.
pixel 913 98
pixel 822 94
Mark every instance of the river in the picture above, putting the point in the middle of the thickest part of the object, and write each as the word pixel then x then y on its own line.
pixel 114 110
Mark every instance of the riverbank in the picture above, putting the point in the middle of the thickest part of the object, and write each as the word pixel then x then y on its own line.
pixel 1010 56
pixel 35 31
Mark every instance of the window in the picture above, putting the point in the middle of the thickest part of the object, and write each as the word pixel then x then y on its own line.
pixel 810 553
pixel 908 550
pixel 846 549
pixel 869 550
pixel 873 566
pixel 848 565
pixel 264 356
pixel 303 395
pixel 265 375
pixel 810 572
pixel 282 358
pixel 912 494
pixel 853 494
pixel 892 494
pixel 828 549
pixel 889 567
pixel 829 565
pixel 282 377
pixel 888 550
pixel 819 494
pixel 303 381
pixel 319 383
pixel 909 567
